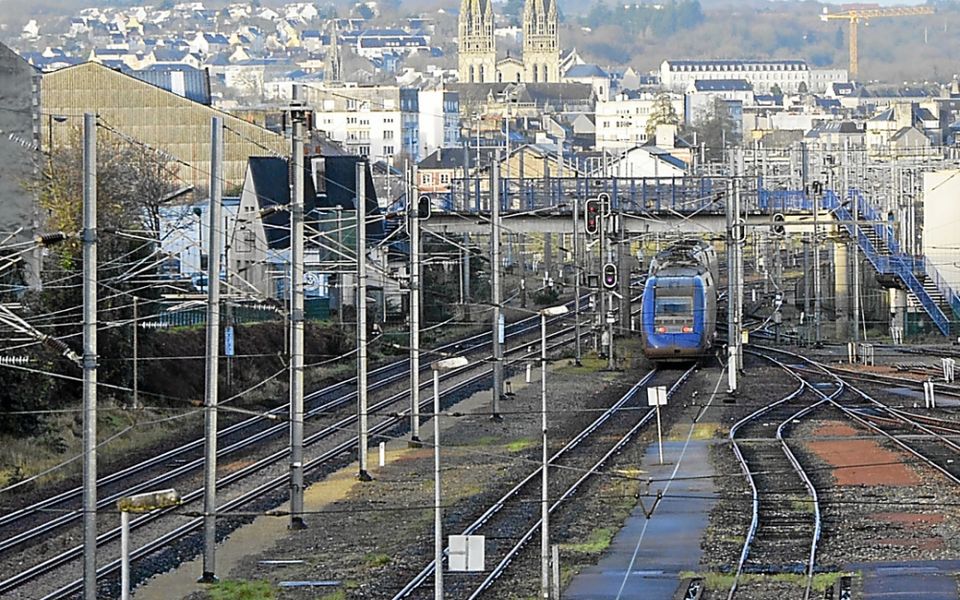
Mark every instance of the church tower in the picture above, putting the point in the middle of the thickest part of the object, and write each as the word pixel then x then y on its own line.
pixel 541 43
pixel 477 53
pixel 334 63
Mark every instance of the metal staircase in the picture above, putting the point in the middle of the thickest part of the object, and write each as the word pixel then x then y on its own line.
pixel 917 276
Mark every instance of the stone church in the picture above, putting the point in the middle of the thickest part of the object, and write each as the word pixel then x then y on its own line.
pixel 541 45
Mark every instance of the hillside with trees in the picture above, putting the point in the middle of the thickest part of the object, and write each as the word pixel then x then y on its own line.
pixel 896 50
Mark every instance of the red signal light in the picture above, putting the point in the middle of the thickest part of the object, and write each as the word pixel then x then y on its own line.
pixel 590 216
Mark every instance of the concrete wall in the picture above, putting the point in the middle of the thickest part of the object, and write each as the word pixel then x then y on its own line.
pixel 941 223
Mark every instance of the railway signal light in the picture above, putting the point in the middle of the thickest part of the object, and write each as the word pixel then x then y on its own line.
pixel 778 228
pixel 604 199
pixel 609 276
pixel 591 217
pixel 424 206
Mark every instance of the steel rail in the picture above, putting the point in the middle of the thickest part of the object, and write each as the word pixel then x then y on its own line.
pixel 422 576
pixel 852 414
pixel 267 487
pixel 755 518
pixel 501 567
pixel 12 541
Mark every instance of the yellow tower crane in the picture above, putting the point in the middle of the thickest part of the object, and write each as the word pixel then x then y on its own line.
pixel 855 15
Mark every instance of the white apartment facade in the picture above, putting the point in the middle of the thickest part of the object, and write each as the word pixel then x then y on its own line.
pixel 439 120
pixel 763 75
pixel 622 122
pixel 375 121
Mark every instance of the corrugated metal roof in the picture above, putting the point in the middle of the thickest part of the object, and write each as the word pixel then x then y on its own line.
pixel 182 80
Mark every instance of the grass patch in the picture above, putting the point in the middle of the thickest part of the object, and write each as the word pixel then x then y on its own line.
pixel 802 504
pixel 486 440
pixel 722 581
pixel 598 541
pixel 733 539
pixel 701 431
pixel 242 590
pixel 520 445
pixel 589 363
pixel 337 595
pixel 822 581
pixel 376 560
pixel 62 438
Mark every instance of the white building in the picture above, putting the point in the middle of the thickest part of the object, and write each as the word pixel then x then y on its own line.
pixel 763 75
pixel 591 75
pixel 702 94
pixel 439 120
pixel 622 121
pixel 822 79
pixel 375 121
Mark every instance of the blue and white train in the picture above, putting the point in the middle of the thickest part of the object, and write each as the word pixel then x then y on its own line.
pixel 679 308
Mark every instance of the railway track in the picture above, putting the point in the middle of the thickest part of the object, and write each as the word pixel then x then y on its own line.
pixel 513 520
pixel 337 443
pixel 187 457
pixel 785 524
pixel 915 434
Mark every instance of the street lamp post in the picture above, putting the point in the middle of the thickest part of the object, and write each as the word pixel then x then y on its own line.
pixel 553 311
pixel 139 503
pixel 439 366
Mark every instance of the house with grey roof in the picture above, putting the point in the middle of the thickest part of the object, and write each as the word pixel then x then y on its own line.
pixel 592 75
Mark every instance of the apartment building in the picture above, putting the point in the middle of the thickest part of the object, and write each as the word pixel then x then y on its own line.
pixel 377 121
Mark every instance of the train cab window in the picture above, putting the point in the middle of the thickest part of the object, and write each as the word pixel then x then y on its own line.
pixel 674 306
pixel 673 314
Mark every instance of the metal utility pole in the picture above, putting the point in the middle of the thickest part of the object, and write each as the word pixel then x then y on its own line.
pixel 623 275
pixel 856 268
pixel 340 273
pixel 212 355
pixel 608 223
pixel 741 238
pixel 296 313
pixel 576 278
pixel 544 468
pixel 733 336
pixel 465 272
pixel 89 356
pixel 806 290
pixel 361 235
pixel 136 347
pixel 816 270
pixel 495 292
pixel 413 214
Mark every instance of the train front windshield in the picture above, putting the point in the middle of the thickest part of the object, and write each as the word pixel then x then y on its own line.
pixel 673 313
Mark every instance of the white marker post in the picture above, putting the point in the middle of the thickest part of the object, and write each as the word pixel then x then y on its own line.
pixel 657 397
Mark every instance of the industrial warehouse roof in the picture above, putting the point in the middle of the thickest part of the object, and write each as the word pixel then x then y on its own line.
pixel 182 80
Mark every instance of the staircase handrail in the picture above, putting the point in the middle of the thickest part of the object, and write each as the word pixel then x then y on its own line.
pixel 953 299
pixel 896 264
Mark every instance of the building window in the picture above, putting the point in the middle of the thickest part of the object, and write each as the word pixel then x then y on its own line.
pixel 388 134
pixel 249 241
pixel 351 120
pixel 426 178
pixel 444 178
pixel 388 150
pixel 363 150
